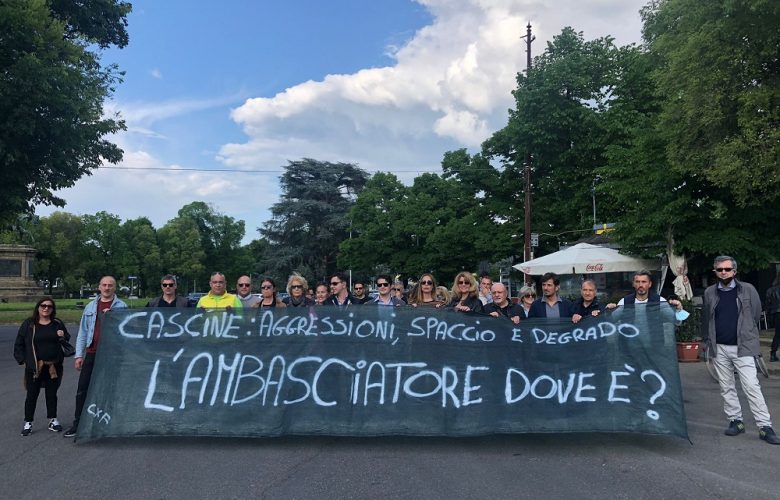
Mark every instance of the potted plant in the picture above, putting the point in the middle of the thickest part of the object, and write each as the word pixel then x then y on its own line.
pixel 688 335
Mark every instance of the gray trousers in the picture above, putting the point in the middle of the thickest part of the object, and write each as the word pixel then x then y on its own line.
pixel 726 362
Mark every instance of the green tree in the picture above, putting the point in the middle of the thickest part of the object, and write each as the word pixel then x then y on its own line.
pixel 559 121
pixel 59 240
pixel 105 246
pixel 52 89
pixel 182 253
pixel 220 238
pixel 660 180
pixel 142 257
pixel 310 220
pixel 718 73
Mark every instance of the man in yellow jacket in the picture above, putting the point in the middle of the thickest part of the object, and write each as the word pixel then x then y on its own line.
pixel 218 298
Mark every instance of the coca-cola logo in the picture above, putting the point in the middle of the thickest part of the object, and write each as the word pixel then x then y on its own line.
pixel 594 268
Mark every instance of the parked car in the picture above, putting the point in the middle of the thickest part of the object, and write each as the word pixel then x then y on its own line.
pixel 193 298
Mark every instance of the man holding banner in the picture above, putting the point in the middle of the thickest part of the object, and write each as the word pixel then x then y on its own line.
pixel 88 339
pixel 218 297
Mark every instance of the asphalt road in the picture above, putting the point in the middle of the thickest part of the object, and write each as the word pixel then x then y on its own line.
pixel 45 464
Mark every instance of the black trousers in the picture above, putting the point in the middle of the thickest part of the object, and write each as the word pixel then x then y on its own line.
pixel 84 377
pixel 776 338
pixel 50 387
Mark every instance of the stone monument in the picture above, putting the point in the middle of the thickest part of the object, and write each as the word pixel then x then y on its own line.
pixel 16 280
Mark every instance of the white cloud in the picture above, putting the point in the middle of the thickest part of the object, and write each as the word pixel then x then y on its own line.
pixel 450 87
pixel 156 73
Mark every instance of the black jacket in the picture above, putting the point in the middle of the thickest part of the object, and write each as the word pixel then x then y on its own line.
pixel 180 302
pixel 24 353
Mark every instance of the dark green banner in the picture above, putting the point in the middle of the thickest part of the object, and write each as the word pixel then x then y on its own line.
pixel 373 371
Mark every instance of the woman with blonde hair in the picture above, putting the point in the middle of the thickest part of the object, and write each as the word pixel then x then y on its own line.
pixel 297 286
pixel 465 294
pixel 425 294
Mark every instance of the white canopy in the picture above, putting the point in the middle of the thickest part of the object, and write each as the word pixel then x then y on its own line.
pixel 584 258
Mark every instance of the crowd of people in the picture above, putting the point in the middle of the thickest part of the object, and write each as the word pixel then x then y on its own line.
pixel 730 323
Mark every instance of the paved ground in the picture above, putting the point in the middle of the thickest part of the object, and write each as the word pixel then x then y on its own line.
pixel 518 466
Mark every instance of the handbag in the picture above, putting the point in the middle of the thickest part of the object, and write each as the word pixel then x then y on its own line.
pixel 67 348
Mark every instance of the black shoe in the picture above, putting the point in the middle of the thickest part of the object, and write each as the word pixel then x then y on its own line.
pixel 737 427
pixel 27 429
pixel 773 357
pixel 767 434
pixel 72 431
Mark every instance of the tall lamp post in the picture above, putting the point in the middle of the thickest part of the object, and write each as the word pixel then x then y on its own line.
pixel 527 167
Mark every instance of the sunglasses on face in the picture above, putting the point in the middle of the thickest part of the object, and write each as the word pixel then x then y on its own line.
pixel 168 285
pixel 335 283
pixel 724 269
pixel 463 283
pixel 396 289
pixel 244 285
pixel 358 288
pixel 46 306
pixel 426 282
pixel 266 287
pixel 529 295
pixel 382 285
pixel 295 287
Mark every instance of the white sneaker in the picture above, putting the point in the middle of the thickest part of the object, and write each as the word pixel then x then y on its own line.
pixel 54 425
pixel 27 429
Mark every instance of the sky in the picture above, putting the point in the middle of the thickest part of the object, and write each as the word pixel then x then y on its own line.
pixel 218 97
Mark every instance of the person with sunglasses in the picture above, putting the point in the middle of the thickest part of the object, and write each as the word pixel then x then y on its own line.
pixel 465 294
pixel 527 298
pixel 297 286
pixel 398 290
pixel 38 346
pixel 360 292
pixel 168 297
pixel 424 293
pixel 268 295
pixel 244 292
pixel 730 317
pixel 385 297
pixel 339 292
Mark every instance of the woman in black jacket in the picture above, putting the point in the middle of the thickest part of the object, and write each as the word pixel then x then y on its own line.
pixel 465 294
pixel 39 346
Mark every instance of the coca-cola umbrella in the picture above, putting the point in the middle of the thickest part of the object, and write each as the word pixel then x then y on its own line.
pixel 584 258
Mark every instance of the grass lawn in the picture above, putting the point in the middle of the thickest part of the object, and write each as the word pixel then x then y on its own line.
pixel 68 310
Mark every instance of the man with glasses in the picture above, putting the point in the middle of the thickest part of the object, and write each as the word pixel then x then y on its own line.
pixel 88 339
pixel 244 292
pixel 501 307
pixel 218 297
pixel 360 292
pixel 168 297
pixel 732 310
pixel 385 296
pixel 339 292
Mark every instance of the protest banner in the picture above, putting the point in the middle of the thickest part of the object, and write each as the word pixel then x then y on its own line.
pixel 374 371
